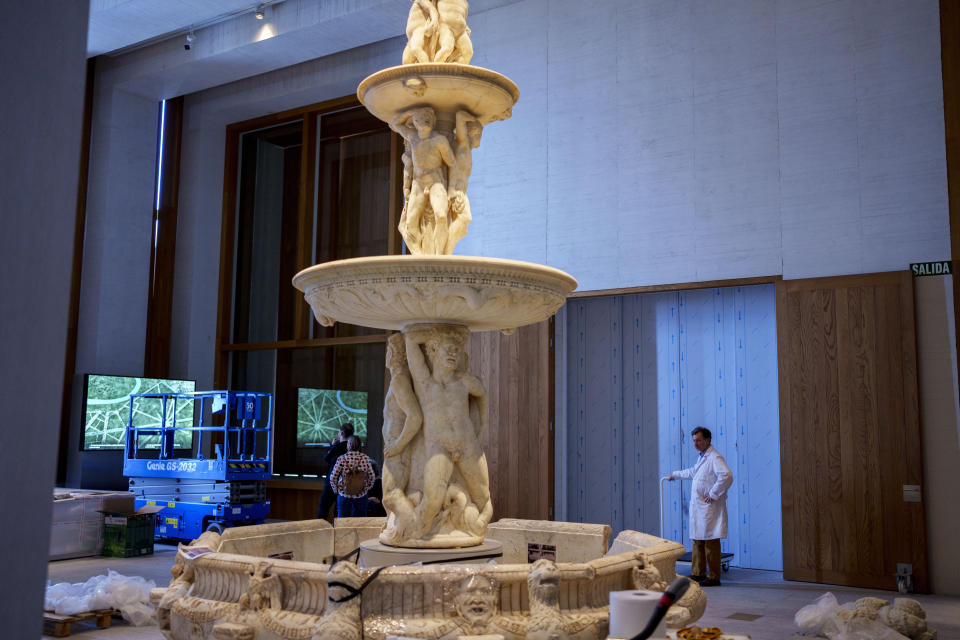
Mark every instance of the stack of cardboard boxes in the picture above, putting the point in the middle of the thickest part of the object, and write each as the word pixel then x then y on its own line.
pixel 78 520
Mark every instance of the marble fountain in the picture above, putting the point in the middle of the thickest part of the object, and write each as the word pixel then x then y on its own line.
pixel 436 567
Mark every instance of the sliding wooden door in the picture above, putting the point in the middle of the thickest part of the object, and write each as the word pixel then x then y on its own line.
pixel 850 430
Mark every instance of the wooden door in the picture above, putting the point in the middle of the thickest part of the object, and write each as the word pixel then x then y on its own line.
pixel 517 371
pixel 850 430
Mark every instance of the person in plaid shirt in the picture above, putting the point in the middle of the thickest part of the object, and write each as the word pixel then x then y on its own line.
pixel 337 448
pixel 352 469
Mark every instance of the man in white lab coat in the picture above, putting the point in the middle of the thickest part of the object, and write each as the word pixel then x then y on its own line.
pixel 708 507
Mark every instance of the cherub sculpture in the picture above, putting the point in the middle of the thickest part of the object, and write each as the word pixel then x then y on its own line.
pixel 422 23
pixel 431 155
pixel 466 139
pixel 437 31
pixel 402 422
pixel 452 436
pixel 454 35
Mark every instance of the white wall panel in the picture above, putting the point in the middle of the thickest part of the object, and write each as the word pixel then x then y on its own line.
pixel 655 143
pixel 119 232
pixel 508 198
pixel 745 138
pixel 196 274
pixel 735 133
pixel 112 316
pixel 900 127
pixel 668 420
pixel 582 230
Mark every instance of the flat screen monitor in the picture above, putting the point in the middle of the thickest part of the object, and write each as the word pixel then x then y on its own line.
pixel 106 411
pixel 320 412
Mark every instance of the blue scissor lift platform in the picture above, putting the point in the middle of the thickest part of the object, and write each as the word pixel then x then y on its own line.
pixel 201 493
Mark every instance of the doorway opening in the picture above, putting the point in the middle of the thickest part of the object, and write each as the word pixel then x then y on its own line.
pixel 641 371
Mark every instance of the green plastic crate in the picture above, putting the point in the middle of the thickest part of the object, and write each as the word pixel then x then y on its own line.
pixel 128 534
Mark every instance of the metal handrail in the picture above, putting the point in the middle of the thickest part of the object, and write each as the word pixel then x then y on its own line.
pixel 664 478
pixel 227 428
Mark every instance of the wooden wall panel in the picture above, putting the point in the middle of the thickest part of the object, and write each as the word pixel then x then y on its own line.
pixel 65 446
pixel 294 499
pixel 850 430
pixel 518 443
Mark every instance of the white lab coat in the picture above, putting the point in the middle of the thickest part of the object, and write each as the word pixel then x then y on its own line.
pixel 711 477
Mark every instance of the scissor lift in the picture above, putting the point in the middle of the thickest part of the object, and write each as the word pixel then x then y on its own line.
pixel 202 493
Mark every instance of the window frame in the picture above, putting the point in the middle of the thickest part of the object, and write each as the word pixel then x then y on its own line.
pixel 303 317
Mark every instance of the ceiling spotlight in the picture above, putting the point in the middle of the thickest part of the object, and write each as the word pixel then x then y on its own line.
pixel 190 38
pixel 259 12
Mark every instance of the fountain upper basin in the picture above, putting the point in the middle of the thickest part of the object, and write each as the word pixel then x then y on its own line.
pixel 444 86
pixel 395 292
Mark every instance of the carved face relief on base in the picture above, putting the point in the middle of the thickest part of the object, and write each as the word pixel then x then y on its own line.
pixel 477 601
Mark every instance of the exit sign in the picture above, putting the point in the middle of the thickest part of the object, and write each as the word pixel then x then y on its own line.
pixel 939 268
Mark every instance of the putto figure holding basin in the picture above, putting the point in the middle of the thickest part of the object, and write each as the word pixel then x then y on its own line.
pixel 435 479
pixel 430 157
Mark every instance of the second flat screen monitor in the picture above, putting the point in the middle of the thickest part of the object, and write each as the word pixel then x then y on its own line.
pixel 320 412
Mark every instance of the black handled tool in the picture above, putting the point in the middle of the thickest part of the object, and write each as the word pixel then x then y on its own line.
pixel 673 593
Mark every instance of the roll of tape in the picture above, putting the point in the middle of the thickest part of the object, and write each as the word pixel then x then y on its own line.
pixel 630 611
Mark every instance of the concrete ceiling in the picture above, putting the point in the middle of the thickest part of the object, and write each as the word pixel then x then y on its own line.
pixel 121 24
pixel 141 42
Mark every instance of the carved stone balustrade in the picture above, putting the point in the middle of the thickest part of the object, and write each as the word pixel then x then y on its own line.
pixel 229 596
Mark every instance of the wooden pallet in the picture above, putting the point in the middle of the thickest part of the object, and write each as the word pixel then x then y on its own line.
pixel 61 624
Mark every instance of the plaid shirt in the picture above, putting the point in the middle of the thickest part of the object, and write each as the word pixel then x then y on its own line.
pixel 352 460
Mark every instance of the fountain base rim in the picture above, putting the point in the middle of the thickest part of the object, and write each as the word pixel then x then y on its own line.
pixel 374 553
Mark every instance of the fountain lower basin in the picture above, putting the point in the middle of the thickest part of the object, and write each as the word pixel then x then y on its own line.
pixel 230 588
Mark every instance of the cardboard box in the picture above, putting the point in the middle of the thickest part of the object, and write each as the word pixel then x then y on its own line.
pixel 129 533
pixel 77 524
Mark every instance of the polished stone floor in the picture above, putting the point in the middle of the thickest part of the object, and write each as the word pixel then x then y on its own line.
pixel 774 601
pixel 750 602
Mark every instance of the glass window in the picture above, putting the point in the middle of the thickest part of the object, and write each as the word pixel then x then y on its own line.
pixel 266 233
pixel 321 186
pixel 353 196
pixel 351 378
